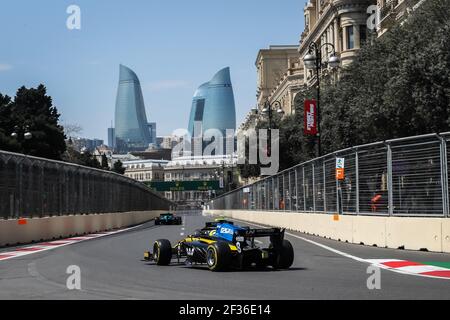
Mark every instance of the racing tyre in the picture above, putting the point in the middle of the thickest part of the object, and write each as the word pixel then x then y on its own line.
pixel 157 222
pixel 285 256
pixel 218 256
pixel 162 252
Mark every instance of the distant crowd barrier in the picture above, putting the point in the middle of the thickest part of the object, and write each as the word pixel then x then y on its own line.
pixel 395 178
pixel 35 188
pixel 22 231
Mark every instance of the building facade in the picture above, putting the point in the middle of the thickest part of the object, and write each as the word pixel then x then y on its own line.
pixel 132 129
pixel 111 138
pixel 392 12
pixel 342 23
pixel 279 72
pixel 145 170
pixel 83 144
pixel 221 168
pixel 152 129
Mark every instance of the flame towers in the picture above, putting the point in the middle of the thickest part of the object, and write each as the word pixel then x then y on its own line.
pixel 132 129
pixel 213 105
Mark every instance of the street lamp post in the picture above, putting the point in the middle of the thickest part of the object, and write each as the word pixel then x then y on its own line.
pixel 313 60
pixel 268 109
pixel 22 132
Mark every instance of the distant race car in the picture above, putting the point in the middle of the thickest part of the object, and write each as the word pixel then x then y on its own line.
pixel 226 246
pixel 168 219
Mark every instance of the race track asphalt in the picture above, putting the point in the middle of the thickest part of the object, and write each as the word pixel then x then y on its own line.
pixel 112 268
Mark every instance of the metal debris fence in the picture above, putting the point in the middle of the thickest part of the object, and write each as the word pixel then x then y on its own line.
pixel 35 187
pixel 400 177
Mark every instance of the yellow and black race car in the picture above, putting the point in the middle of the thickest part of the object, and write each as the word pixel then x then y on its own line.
pixel 226 246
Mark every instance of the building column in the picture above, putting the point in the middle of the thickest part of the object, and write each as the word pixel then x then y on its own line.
pixel 344 38
pixel 337 43
pixel 356 36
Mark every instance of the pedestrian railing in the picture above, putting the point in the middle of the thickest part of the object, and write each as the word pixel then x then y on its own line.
pixel 35 187
pixel 400 177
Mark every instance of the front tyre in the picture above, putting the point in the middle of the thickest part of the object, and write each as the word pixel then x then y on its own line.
pixel 285 256
pixel 218 256
pixel 162 252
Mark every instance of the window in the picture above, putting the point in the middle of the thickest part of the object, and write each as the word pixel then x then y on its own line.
pixel 350 38
pixel 362 34
pixel 199 110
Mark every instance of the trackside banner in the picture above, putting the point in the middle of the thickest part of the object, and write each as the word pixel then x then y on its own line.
pixel 310 117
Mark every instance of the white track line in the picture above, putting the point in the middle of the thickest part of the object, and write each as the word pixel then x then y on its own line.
pixel 51 245
pixel 367 261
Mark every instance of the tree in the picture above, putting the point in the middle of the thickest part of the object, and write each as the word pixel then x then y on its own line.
pixel 71 129
pixel 81 158
pixel 31 111
pixel 6 126
pixel 105 164
pixel 118 167
pixel 397 86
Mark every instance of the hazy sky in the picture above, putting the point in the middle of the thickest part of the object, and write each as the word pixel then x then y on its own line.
pixel 173 45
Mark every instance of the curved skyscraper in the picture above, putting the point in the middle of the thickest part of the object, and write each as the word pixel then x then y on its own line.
pixel 132 129
pixel 213 104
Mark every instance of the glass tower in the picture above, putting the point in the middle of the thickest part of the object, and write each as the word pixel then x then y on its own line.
pixel 213 105
pixel 131 129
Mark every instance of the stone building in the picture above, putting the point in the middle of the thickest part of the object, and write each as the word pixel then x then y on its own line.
pixel 279 75
pixel 392 12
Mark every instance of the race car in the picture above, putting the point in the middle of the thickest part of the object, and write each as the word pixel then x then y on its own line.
pixel 226 247
pixel 223 220
pixel 213 225
pixel 168 219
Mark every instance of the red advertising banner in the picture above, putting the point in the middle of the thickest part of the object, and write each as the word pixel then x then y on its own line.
pixel 310 117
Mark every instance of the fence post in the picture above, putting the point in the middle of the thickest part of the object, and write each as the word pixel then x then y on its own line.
pixel 444 177
pixel 296 189
pixel 357 180
pixel 314 186
pixel 390 184
pixel 20 210
pixel 304 193
pixel 324 187
pixel 338 201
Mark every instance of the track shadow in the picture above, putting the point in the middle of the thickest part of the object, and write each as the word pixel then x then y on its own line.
pixel 203 267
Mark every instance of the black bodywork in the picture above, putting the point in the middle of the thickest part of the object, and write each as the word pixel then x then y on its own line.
pixel 168 219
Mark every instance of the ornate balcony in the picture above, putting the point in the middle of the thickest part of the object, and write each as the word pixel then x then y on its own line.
pixel 388 11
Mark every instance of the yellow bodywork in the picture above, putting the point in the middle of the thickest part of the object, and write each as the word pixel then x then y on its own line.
pixel 208 241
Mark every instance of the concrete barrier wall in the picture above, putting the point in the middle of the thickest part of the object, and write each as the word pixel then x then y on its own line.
pixel 42 229
pixel 432 234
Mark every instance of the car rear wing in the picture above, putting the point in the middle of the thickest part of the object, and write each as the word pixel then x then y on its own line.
pixel 213 225
pixel 260 233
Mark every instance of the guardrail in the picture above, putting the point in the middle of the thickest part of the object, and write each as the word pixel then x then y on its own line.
pixel 400 177
pixel 36 187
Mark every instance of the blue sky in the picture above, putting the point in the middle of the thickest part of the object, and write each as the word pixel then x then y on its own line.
pixel 173 45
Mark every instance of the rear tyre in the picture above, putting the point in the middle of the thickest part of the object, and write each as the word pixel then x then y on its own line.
pixel 157 222
pixel 218 256
pixel 162 252
pixel 285 256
